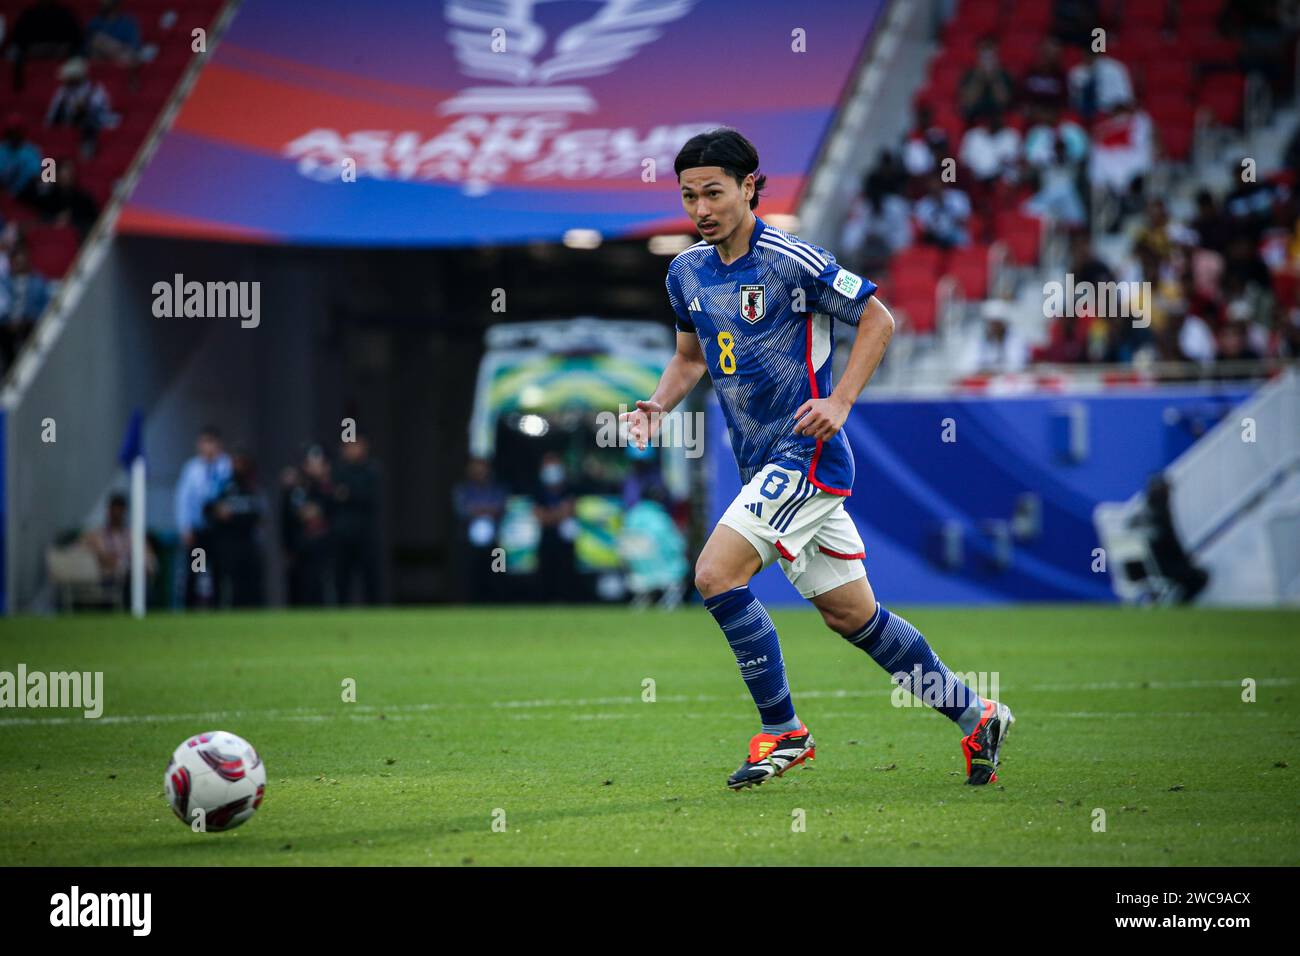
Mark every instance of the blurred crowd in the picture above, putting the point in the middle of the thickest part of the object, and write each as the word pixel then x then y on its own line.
pixel 328 526
pixel 65 138
pixel 646 541
pixel 1073 146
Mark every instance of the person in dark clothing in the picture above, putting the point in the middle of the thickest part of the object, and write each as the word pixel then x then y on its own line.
pixel 1170 558
pixel 45 30
pixel 355 522
pixel 306 494
pixel 480 503
pixel 235 517
pixel 987 88
pixel 554 508
pixel 63 202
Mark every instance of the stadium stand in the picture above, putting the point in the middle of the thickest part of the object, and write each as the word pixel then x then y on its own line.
pixel 1053 138
pixel 136 71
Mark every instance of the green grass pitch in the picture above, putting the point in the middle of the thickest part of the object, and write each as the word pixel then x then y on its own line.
pixel 539 713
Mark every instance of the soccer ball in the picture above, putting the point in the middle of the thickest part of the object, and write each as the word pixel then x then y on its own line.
pixel 215 781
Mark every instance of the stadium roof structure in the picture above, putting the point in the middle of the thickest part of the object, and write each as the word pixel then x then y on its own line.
pixel 466 122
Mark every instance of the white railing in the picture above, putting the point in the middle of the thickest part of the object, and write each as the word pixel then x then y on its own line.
pixel 95 246
pixel 1237 461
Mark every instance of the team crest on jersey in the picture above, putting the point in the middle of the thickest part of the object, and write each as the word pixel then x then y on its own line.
pixel 751 302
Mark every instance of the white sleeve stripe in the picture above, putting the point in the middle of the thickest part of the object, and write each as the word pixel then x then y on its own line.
pixel 797 244
pixel 792 254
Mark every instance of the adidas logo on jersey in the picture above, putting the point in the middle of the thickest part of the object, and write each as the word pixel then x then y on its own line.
pixel 695 305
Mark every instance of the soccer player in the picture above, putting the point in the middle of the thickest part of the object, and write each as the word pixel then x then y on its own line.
pixel 754 309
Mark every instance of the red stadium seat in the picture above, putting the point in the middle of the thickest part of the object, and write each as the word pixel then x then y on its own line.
pixel 1284 288
pixel 1166 75
pixel 52 248
pixel 1175 119
pixel 970 268
pixel 1176 140
pixel 1222 95
pixel 1205 46
pixel 1148 13
pixel 974 20
pixel 1021 233
pixel 1031 13
pixel 1204 11
pixel 916 310
pixel 922 260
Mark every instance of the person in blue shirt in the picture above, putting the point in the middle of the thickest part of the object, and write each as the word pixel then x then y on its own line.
pixel 113 35
pixel 20 161
pixel 755 309
pixel 24 294
pixel 202 479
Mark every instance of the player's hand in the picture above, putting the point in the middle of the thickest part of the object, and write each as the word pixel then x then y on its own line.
pixel 820 418
pixel 643 423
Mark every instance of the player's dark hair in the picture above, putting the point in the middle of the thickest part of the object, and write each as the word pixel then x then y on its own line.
pixel 726 148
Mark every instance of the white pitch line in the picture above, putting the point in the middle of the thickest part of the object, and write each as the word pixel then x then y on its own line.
pixel 371 712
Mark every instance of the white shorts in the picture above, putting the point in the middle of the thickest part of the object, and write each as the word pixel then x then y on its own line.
pixel 788 519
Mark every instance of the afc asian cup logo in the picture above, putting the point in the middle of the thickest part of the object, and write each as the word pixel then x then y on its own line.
pixel 751 302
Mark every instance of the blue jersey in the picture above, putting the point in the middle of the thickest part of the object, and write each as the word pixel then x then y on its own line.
pixel 765 358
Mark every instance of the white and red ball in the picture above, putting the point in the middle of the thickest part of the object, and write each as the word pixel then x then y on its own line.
pixel 215 781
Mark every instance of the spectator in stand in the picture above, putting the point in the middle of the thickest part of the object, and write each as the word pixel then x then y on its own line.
pixel 1100 84
pixel 878 225
pixel 113 35
pixel 1155 233
pixel 1054 154
pixel 1242 259
pixel 24 294
pixel 46 30
pixel 888 177
pixel 20 160
pixel 1047 127
pixel 480 503
pixel 1123 154
pixel 1045 84
pixel 1249 207
pixel 1267 40
pixel 1074 20
pixel 1212 229
pixel 235 516
pixel 202 479
pixel 82 103
pixel 1056 193
pixel 356 522
pixel 989 153
pixel 63 202
pixel 1084 264
pixel 943 215
pixel 990 150
pixel 306 496
pixel 1067 341
pixel 924 147
pixel 998 349
pixel 1194 336
pixel 987 88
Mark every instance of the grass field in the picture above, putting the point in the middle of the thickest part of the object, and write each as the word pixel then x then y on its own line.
pixel 539 713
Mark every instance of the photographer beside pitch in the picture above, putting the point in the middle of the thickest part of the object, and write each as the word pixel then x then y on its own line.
pixel 754 309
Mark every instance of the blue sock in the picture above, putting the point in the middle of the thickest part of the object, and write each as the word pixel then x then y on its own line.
pixel 752 636
pixel 900 649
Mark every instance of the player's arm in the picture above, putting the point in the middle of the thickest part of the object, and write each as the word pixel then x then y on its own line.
pixel 684 370
pixel 823 417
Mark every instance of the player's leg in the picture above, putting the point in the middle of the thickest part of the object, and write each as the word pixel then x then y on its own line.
pixel 833 579
pixel 852 612
pixel 740 546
